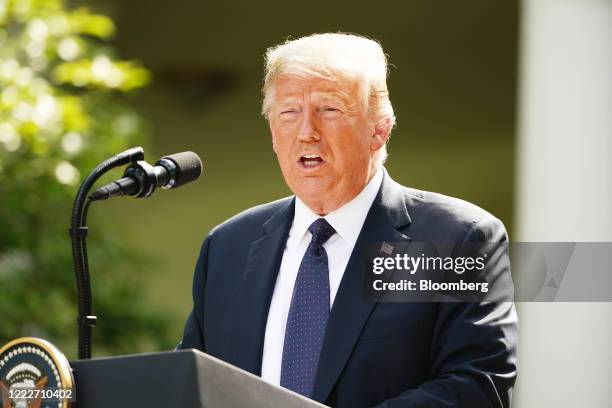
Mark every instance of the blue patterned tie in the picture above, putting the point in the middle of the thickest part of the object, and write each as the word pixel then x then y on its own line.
pixel 308 314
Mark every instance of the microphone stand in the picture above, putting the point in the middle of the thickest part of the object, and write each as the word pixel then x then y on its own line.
pixel 78 234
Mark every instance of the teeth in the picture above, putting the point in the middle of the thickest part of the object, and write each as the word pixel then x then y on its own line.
pixel 310 156
pixel 310 163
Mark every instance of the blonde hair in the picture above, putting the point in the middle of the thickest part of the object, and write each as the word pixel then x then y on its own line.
pixel 332 56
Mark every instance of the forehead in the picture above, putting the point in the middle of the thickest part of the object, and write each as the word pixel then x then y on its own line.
pixel 290 88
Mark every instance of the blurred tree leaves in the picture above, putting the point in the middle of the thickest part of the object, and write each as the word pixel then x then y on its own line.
pixel 63 109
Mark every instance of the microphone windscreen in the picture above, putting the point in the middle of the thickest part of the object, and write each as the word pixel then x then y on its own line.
pixel 188 167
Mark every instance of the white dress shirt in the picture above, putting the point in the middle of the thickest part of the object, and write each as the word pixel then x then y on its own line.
pixel 347 221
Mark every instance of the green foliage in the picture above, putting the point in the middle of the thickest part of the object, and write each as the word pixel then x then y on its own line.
pixel 63 109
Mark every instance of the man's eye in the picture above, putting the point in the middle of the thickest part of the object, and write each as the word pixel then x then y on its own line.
pixel 330 112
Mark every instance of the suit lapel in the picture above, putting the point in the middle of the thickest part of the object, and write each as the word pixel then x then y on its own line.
pixel 350 312
pixel 256 288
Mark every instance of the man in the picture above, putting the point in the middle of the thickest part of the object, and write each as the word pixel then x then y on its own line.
pixel 278 288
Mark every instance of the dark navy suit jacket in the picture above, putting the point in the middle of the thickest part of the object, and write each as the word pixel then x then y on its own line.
pixel 374 353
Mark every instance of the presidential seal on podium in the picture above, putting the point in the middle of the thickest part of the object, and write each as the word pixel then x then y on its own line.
pixel 34 374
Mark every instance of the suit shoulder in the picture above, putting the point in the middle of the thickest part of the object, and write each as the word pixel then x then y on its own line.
pixel 251 219
pixel 452 215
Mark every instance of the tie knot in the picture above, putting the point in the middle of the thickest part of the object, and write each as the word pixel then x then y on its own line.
pixel 321 231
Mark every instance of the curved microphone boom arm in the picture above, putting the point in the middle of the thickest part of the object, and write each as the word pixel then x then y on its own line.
pixel 78 234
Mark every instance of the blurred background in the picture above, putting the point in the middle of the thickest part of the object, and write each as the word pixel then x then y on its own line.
pixel 82 79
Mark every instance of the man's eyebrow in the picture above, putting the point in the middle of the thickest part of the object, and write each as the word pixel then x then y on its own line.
pixel 344 98
pixel 348 103
pixel 286 101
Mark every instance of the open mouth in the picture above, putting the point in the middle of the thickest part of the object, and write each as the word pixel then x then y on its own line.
pixel 310 161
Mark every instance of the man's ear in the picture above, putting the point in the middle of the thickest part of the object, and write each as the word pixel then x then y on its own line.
pixel 380 135
pixel 273 137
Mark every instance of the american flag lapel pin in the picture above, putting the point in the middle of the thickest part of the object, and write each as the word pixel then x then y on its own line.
pixel 386 248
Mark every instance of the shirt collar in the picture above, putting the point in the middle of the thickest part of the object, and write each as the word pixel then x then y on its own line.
pixel 346 220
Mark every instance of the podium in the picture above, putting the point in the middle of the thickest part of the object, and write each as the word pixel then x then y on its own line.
pixel 179 379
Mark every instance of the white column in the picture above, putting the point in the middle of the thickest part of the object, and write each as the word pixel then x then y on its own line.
pixel 564 192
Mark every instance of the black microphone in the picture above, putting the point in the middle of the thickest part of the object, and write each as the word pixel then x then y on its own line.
pixel 140 179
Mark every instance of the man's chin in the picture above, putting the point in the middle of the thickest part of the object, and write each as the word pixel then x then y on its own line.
pixel 308 194
pixel 311 192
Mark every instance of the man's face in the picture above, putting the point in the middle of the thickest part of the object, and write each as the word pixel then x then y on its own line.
pixel 323 139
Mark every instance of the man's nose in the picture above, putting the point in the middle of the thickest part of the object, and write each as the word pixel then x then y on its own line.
pixel 308 130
